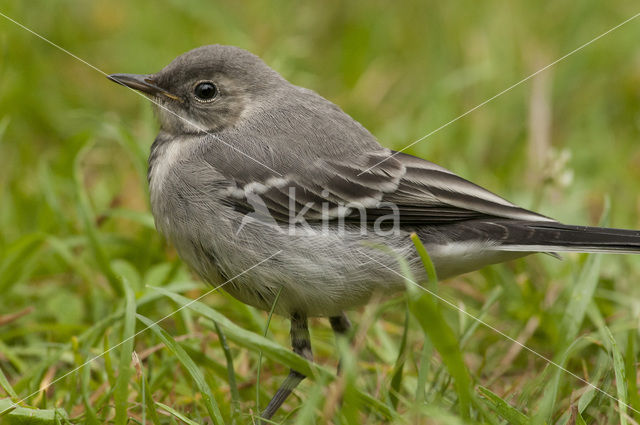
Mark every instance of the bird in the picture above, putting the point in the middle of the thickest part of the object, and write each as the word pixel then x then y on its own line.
pixel 248 166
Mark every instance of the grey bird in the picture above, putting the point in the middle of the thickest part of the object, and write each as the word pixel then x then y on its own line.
pixel 238 142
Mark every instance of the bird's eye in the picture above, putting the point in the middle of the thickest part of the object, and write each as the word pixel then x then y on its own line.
pixel 205 91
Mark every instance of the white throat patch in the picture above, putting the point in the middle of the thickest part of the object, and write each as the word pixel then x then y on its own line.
pixel 166 158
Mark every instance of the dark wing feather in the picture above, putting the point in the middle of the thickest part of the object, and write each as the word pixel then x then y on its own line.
pixel 422 193
pixel 537 236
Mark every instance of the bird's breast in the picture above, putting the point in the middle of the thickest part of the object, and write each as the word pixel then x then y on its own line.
pixel 169 161
pixel 165 155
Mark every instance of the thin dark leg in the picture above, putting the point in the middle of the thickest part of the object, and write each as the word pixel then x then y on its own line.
pixel 301 344
pixel 341 326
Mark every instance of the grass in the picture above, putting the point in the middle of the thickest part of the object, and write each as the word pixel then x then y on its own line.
pixel 81 266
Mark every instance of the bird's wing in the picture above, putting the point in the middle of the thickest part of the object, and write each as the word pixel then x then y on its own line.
pixel 425 186
pixel 371 186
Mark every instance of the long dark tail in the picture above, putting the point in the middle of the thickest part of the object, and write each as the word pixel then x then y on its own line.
pixel 513 235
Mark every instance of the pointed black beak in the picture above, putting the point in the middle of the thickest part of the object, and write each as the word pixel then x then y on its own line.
pixel 143 83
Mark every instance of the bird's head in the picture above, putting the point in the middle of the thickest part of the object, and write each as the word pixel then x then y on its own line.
pixel 206 89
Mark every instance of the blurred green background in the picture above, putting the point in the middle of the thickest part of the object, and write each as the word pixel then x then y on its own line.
pixel 74 214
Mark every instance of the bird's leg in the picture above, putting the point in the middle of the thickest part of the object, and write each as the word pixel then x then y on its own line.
pixel 341 326
pixel 301 344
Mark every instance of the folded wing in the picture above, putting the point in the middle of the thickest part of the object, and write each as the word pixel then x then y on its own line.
pixel 374 185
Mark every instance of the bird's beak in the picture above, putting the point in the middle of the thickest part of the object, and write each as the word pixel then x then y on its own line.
pixel 143 83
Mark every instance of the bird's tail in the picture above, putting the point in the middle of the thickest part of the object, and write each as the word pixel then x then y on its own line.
pixel 558 237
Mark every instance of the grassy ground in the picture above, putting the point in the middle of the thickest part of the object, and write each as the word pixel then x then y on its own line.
pixel 82 268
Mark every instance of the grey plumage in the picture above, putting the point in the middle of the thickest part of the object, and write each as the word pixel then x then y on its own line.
pixel 303 143
pixel 265 138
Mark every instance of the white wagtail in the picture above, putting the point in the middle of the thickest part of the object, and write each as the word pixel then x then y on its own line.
pixel 247 164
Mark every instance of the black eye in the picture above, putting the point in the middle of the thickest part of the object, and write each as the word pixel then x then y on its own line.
pixel 205 91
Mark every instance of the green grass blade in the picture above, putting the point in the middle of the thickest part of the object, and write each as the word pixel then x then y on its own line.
pixel 443 338
pixel 6 407
pixel 190 366
pixel 315 397
pixel 630 366
pixel 65 251
pixel 51 193
pixel 423 371
pixel 177 414
pixel 15 360
pixel 473 324
pixel 28 416
pixel 427 263
pixel 90 414
pixel 602 368
pixel 396 379
pixel 248 339
pixel 205 361
pixel 621 377
pixel 551 389
pixel 108 362
pixel 127 273
pixel 233 385
pixel 121 391
pixel 16 256
pixel 374 404
pixel 88 219
pixel 272 350
pixel 148 399
pixel 130 143
pixel 266 331
pixel 581 297
pixel 510 414
pixel 582 293
pixel 6 386
pixel 143 218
